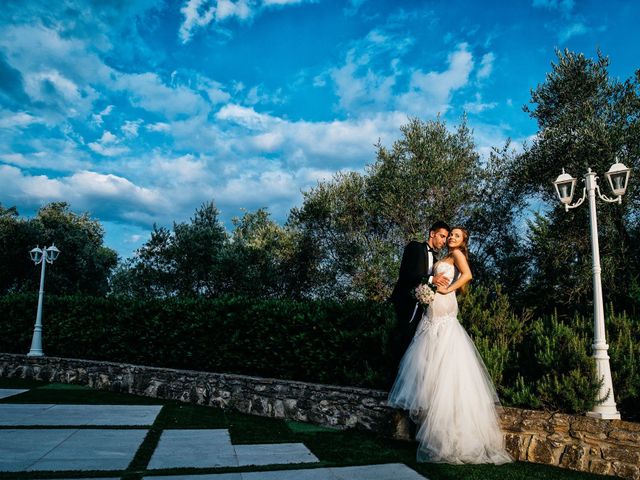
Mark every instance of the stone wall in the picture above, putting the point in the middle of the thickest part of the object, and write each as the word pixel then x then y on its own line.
pixel 609 447
pixel 606 447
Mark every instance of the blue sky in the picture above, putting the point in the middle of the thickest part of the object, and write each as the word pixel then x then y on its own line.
pixel 138 111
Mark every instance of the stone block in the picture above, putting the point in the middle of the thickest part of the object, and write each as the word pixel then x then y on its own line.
pixel 535 421
pixel 574 457
pixel 511 419
pixel 620 454
pixel 600 467
pixel 625 470
pixel 624 436
pixel 560 422
pixel 589 427
pixel 542 450
pixel 517 444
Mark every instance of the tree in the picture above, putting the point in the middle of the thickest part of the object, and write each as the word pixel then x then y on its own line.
pixel 586 120
pixel 84 265
pixel 184 261
pixel 359 223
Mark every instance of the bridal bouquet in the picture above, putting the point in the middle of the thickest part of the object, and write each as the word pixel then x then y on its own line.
pixel 424 293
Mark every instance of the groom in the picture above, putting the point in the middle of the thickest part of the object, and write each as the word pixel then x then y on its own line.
pixel 418 259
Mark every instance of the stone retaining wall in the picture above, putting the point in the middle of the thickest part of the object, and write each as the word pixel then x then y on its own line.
pixel 580 443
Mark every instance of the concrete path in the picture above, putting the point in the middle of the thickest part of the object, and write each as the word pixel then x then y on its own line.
pixel 9 392
pixel 58 449
pixel 65 449
pixel 389 471
pixel 21 415
pixel 213 448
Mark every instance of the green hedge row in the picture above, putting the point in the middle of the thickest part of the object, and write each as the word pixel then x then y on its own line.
pixel 320 341
pixel 539 363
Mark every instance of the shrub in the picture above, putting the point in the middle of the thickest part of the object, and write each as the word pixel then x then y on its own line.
pixel 319 341
pixel 536 363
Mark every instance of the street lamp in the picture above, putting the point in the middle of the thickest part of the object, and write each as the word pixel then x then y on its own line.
pixel 40 255
pixel 618 177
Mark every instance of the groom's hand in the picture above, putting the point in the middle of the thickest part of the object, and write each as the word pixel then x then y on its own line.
pixel 440 280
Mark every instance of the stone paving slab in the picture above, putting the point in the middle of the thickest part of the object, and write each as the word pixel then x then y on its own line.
pixel 389 471
pixel 21 448
pixel 213 448
pixel 310 474
pixel 274 453
pixel 214 476
pixel 68 449
pixel 93 450
pixel 9 392
pixel 21 415
pixel 195 449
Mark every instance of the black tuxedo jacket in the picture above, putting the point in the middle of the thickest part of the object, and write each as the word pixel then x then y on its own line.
pixel 416 263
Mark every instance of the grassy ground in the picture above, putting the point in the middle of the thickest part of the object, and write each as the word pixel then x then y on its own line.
pixel 332 447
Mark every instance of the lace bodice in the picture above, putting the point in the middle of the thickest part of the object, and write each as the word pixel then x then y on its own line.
pixel 448 269
pixel 444 307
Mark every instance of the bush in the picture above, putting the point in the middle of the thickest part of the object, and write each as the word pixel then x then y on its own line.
pixel 320 341
pixel 535 363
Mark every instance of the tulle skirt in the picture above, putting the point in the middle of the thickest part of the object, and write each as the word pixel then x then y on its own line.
pixel 443 383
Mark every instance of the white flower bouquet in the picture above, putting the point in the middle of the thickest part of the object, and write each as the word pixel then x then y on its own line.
pixel 424 293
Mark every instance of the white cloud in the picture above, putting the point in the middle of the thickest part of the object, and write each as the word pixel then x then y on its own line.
pixel 367 78
pixel 478 105
pixel 130 128
pixel 573 30
pixel 565 6
pixel 215 90
pixel 108 145
pixel 98 118
pixel 229 8
pixel 430 93
pixel 354 6
pixel 486 66
pixel 259 95
pixel 199 14
pixel 196 13
pixel 53 154
pixel 135 238
pixel 342 142
pixel 181 170
pixel 358 86
pixel 10 119
pixel 109 195
pixel 148 91
pixel 58 73
pixel 158 127
pixel 269 3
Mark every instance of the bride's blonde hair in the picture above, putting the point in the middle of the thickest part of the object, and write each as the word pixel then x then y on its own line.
pixel 464 248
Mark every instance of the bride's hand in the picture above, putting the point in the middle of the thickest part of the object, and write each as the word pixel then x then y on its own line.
pixel 443 290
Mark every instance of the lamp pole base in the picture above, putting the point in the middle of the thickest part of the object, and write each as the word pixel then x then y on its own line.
pixel 605 415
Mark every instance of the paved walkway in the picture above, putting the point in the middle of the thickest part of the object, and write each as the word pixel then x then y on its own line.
pixel 58 449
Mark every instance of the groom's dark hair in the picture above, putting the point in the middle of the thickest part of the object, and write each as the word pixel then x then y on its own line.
pixel 438 225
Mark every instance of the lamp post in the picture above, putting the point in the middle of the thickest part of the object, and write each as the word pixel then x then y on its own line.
pixel 618 177
pixel 41 255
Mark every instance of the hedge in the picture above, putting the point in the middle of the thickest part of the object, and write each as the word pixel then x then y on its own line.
pixel 538 363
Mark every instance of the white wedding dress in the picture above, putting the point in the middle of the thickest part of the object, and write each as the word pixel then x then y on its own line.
pixel 445 385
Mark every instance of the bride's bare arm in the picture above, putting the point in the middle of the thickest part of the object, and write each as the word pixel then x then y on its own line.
pixel 461 263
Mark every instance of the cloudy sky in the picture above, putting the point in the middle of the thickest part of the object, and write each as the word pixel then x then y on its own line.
pixel 138 111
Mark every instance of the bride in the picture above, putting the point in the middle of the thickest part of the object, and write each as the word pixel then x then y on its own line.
pixel 442 380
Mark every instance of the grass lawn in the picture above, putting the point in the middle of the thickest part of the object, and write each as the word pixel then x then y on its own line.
pixel 332 447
